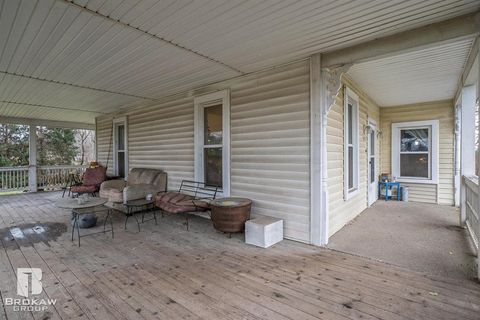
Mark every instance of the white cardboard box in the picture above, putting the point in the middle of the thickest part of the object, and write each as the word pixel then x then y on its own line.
pixel 264 231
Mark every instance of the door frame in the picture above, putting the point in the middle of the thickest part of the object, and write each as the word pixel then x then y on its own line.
pixel 372 195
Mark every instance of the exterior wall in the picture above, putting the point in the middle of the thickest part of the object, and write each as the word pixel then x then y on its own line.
pixel 341 211
pixel 269 141
pixel 443 193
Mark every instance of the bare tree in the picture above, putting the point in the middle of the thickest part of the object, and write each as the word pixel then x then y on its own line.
pixel 83 137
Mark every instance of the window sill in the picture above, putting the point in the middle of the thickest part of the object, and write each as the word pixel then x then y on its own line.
pixel 419 181
pixel 349 195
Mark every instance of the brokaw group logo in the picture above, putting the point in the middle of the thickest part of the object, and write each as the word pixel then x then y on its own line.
pixel 29 283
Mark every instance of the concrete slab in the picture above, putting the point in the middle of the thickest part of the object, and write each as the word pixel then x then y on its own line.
pixel 417 236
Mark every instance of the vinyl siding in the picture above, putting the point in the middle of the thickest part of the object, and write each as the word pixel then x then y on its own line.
pixel 443 193
pixel 269 142
pixel 103 143
pixel 341 211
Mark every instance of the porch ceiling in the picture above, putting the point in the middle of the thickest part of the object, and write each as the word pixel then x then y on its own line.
pixel 74 60
pixel 430 74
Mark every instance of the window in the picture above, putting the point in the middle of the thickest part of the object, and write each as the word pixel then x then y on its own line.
pixel 212 140
pixel 120 149
pixel 351 141
pixel 415 151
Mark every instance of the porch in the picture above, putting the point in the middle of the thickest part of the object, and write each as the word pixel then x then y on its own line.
pixel 166 272
pixel 417 236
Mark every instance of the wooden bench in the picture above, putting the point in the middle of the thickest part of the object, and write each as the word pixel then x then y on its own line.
pixel 193 196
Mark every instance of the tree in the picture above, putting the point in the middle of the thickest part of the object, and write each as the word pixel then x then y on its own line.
pixel 83 137
pixel 56 146
pixel 14 145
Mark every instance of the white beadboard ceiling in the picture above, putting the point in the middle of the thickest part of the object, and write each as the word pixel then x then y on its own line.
pixel 419 76
pixel 75 60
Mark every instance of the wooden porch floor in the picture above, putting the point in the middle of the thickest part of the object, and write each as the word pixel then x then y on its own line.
pixel 166 272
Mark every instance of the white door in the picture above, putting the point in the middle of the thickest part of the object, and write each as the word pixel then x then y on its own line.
pixel 372 164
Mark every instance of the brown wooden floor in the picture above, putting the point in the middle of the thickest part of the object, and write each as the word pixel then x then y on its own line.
pixel 165 272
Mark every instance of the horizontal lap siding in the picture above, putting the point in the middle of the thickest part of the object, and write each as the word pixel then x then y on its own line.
pixel 161 137
pixel 103 143
pixel 270 146
pixel 341 211
pixel 442 111
pixel 269 142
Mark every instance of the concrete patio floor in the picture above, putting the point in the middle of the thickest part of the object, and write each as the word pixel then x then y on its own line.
pixel 417 236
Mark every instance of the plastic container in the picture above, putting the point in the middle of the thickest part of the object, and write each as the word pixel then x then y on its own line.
pixel 405 194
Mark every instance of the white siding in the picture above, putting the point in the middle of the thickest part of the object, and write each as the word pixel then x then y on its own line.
pixel 269 142
pixel 270 146
pixel 103 142
pixel 443 193
pixel 341 211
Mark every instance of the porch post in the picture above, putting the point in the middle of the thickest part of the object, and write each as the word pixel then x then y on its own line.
pixel 319 215
pixel 477 156
pixel 467 167
pixel 32 159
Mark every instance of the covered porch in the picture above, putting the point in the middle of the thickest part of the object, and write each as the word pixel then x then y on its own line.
pixel 168 272
pixel 299 106
pixel 417 236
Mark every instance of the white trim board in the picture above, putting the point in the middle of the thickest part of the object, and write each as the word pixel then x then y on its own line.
pixel 433 152
pixel 219 97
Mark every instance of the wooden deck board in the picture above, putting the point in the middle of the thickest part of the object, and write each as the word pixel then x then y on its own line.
pixel 166 272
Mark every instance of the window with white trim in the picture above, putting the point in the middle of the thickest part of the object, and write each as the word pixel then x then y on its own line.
pixel 212 140
pixel 120 147
pixel 351 143
pixel 415 151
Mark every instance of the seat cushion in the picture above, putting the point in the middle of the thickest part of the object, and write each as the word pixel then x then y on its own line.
pixel 84 189
pixel 112 194
pixel 175 202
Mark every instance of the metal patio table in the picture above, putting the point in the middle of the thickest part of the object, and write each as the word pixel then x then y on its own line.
pixel 139 205
pixel 87 207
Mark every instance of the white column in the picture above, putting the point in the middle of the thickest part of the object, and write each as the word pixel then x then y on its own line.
pixel 477 105
pixel 32 159
pixel 318 223
pixel 467 156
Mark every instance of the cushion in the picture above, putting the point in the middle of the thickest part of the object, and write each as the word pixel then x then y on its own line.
pixel 175 202
pixel 142 176
pixel 94 176
pixel 112 194
pixel 84 189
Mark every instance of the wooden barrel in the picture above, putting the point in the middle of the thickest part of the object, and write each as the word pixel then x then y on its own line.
pixel 230 214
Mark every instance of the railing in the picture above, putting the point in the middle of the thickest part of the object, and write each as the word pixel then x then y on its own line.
pixel 56 177
pixel 13 178
pixel 472 212
pixel 48 177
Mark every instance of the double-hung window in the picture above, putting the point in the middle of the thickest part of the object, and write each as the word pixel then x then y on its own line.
pixel 415 151
pixel 351 144
pixel 120 147
pixel 212 140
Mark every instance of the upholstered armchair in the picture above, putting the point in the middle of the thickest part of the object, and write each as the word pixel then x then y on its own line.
pixel 140 182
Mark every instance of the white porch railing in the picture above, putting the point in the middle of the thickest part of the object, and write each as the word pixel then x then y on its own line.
pixel 13 178
pixel 472 211
pixel 55 177
pixel 48 177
